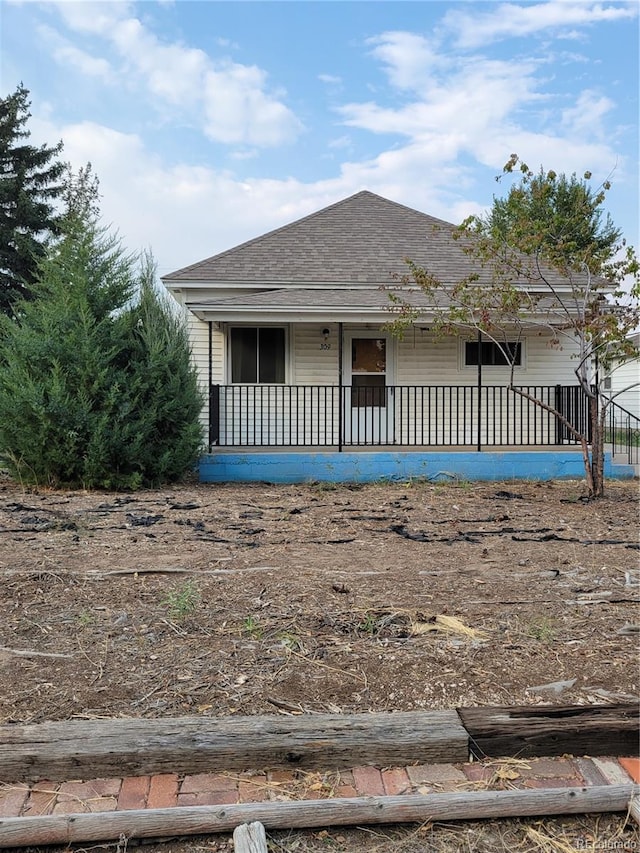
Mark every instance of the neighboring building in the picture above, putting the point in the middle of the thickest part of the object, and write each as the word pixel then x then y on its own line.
pixel 288 336
pixel 623 383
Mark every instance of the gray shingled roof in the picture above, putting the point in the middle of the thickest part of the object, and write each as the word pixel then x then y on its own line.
pixel 363 239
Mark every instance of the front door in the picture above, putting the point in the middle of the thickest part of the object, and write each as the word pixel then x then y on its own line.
pixel 368 403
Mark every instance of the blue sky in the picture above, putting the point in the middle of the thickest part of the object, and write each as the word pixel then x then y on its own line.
pixel 212 122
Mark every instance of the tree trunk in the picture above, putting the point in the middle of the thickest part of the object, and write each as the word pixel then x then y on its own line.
pixel 597 449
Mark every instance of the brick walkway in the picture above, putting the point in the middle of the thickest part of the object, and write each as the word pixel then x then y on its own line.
pixel 169 790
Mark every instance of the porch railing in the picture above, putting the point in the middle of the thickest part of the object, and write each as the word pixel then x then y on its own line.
pixel 623 433
pixel 408 415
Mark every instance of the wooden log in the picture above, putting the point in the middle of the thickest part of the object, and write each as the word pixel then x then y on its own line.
pixel 533 730
pixel 634 809
pixel 202 820
pixel 250 838
pixel 76 749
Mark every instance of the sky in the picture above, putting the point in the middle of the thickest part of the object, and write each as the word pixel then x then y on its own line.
pixel 209 123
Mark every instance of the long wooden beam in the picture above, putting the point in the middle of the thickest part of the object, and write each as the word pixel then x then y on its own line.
pixel 533 730
pixel 77 749
pixel 201 820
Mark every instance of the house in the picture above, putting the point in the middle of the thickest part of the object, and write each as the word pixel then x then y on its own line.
pixel 305 381
pixel 622 382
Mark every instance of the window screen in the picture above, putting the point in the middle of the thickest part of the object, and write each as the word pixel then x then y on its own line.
pixel 492 354
pixel 257 355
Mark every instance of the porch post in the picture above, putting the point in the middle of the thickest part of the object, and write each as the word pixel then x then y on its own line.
pixel 340 400
pixel 479 441
pixel 214 398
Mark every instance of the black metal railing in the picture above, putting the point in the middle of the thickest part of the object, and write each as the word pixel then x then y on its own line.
pixel 622 432
pixel 408 415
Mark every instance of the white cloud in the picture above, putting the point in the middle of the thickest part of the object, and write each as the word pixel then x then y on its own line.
pixel 330 78
pixel 586 116
pixel 408 58
pixel 522 19
pixel 68 54
pixel 464 105
pixel 229 101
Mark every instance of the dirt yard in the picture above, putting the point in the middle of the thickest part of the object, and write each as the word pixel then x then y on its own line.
pixel 256 599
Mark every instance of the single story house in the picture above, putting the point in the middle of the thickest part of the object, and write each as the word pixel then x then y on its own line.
pixel 305 381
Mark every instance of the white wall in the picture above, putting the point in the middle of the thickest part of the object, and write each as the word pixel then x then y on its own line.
pixel 622 377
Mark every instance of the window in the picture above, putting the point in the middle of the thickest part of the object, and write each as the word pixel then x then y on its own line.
pixel 492 354
pixel 257 355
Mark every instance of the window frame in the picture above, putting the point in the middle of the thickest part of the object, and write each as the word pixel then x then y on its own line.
pixel 257 326
pixel 505 366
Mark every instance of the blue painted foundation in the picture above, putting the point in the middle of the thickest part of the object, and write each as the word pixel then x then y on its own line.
pixel 300 467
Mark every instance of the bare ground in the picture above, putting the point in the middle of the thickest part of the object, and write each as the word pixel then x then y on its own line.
pixel 252 599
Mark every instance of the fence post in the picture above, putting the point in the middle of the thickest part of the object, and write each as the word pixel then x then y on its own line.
pixel 560 427
pixel 214 415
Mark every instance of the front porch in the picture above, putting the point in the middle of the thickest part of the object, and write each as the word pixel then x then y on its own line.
pixel 398 416
pixel 332 433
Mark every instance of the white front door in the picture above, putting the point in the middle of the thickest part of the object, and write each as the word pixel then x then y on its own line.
pixel 368 402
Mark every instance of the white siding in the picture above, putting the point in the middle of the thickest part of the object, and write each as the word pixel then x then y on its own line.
pixel 314 360
pixel 622 377
pixel 199 337
pixel 424 359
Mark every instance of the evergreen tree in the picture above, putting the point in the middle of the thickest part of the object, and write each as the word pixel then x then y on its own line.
pixel 30 184
pixel 96 385
pixel 558 218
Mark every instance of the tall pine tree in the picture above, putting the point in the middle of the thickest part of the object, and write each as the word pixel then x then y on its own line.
pixel 31 181
pixel 97 388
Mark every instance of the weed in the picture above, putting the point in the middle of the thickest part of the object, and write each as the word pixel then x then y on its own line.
pixel 542 629
pixel 252 628
pixel 290 641
pixel 182 601
pixel 85 619
pixel 368 624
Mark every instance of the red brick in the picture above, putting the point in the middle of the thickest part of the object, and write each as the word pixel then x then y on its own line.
pixel 346 777
pixel 96 795
pixel 632 766
pixel 589 772
pixel 395 781
pixel 547 768
pixel 346 791
pixel 368 781
pixel 71 807
pixel 208 798
pixel 253 790
pixel 551 783
pixel 477 772
pixel 133 793
pixel 207 782
pixel 282 777
pixel 42 798
pixel 106 787
pixel 421 774
pixel 12 799
pixel 163 791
